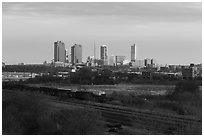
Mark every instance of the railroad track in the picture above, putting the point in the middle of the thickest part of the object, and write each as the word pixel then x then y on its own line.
pixel 150 120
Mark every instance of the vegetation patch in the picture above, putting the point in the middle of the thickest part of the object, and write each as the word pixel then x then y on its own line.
pixel 30 115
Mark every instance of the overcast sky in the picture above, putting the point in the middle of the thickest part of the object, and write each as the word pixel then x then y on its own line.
pixel 169 32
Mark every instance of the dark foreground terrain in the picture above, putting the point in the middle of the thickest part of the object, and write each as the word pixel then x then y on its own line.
pixel 31 113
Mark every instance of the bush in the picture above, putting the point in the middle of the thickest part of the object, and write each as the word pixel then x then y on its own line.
pixel 186 86
pixel 187 92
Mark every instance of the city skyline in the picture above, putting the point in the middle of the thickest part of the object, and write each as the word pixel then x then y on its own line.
pixel 169 32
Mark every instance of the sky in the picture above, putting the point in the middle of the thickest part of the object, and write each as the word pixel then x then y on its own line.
pixel 169 32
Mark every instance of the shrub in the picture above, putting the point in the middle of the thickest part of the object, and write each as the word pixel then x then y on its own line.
pixel 186 86
pixel 187 92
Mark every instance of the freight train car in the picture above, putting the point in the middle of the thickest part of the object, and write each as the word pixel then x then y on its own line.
pixel 59 92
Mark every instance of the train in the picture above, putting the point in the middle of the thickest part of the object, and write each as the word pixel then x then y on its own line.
pixel 58 92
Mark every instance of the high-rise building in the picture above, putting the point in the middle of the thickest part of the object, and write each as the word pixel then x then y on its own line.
pixel 133 53
pixel 104 54
pixel 76 54
pixel 111 60
pixel 59 52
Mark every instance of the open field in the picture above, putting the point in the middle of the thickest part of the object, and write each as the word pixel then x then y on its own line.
pixel 139 89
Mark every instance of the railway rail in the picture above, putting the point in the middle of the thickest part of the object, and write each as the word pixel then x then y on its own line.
pixel 153 121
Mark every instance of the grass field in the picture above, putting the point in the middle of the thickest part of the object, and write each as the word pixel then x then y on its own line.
pixel 139 89
pixel 32 114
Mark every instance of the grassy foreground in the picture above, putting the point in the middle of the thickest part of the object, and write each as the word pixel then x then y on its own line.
pixel 24 114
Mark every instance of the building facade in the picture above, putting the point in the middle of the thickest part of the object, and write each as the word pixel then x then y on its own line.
pixel 133 53
pixel 111 60
pixel 189 72
pixel 90 61
pixel 147 62
pixel 59 52
pixel 104 54
pixel 138 63
pixel 76 54
pixel 119 60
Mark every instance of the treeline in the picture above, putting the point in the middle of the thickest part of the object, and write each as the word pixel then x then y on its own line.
pixel 101 75
pixel 105 76
pixel 84 76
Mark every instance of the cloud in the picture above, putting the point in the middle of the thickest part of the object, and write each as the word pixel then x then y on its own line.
pixel 158 28
pixel 136 11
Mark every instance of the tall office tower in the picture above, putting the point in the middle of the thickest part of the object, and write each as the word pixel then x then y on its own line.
pixel 133 53
pixel 59 52
pixel 104 54
pixel 111 60
pixel 76 54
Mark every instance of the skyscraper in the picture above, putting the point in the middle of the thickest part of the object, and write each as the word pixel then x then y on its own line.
pixel 104 54
pixel 59 52
pixel 76 54
pixel 111 60
pixel 133 53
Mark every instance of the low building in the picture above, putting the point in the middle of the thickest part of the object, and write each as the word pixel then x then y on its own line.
pixel 21 64
pixel 189 72
pixel 16 76
pixel 119 60
pixel 90 61
pixel 147 62
pixel 59 64
pixel 99 62
pixel 138 63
